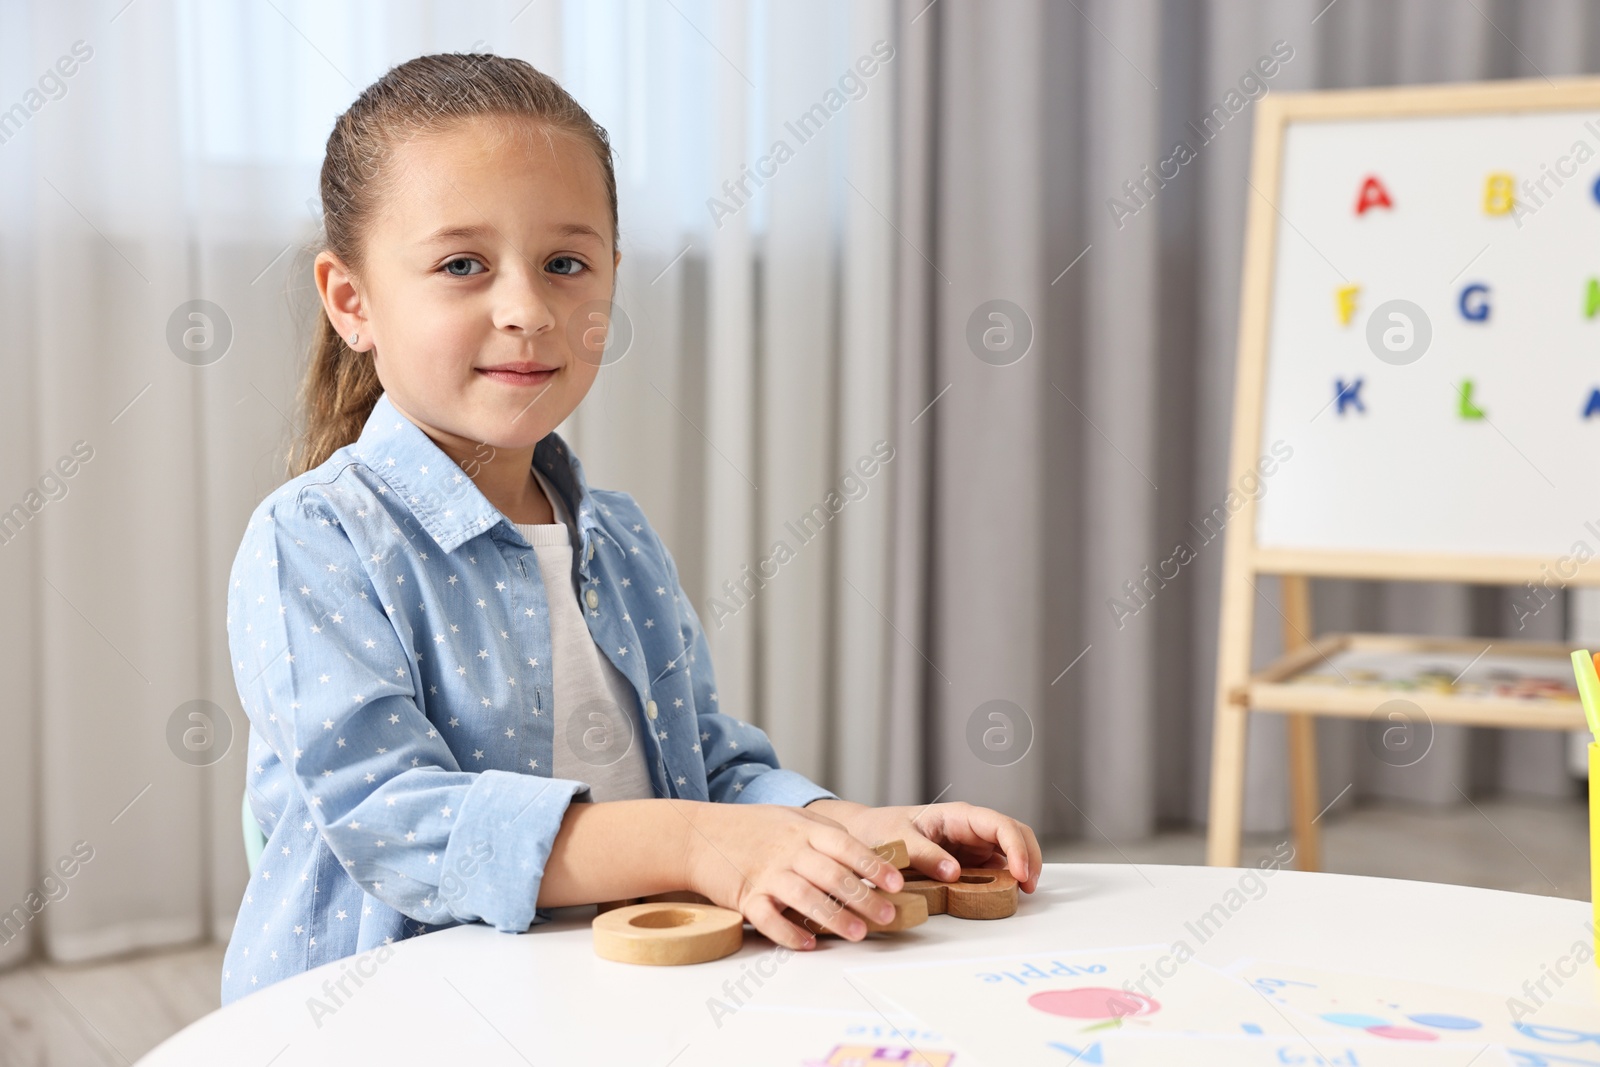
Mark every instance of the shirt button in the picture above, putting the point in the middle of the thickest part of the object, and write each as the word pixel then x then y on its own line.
pixel 593 598
pixel 650 708
pixel 591 550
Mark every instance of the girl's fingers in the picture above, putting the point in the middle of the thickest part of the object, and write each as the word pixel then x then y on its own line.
pixel 967 840
pixel 1022 849
pixel 932 860
pixel 770 923
pixel 982 829
pixel 983 855
pixel 820 908
pixel 1035 858
pixel 855 856
pixel 846 889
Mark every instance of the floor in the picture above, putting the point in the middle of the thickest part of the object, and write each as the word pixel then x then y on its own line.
pixel 1525 846
pixel 106 1013
pixel 112 1013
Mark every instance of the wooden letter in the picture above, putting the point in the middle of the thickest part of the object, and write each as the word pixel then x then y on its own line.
pixel 982 893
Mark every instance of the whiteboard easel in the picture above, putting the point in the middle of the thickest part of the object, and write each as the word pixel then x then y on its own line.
pixel 1472 463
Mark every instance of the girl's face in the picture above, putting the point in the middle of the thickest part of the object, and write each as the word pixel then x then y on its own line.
pixel 487 283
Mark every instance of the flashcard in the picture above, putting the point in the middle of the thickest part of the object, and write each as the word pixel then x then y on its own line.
pixel 1012 1009
pixel 1417 1014
pixel 1128 1007
pixel 1167 1051
pixel 781 1036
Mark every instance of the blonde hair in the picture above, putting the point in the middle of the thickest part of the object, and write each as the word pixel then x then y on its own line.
pixel 420 96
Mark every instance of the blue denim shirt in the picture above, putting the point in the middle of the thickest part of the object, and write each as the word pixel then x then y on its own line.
pixel 390 640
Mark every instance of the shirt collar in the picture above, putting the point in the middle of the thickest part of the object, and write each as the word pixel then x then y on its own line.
pixel 447 502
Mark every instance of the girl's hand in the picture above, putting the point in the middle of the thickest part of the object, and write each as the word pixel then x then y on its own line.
pixel 943 838
pixel 760 858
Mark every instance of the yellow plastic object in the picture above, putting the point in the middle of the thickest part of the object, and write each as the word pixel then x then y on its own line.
pixel 1583 669
pixel 1594 842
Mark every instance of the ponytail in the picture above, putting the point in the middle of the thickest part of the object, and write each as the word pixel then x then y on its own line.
pixel 337 395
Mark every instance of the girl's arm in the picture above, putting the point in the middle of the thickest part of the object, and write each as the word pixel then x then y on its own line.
pixel 756 859
pixel 619 849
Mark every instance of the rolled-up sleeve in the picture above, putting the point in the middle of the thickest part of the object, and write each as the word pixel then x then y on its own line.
pixel 330 684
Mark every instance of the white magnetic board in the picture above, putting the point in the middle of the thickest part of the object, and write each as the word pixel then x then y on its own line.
pixel 1402 464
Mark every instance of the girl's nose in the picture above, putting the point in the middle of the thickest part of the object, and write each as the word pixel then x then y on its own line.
pixel 522 302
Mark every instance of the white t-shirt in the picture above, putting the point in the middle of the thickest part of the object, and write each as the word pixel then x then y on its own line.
pixel 597 720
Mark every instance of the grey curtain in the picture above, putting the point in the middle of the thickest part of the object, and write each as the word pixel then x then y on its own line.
pixel 1035 488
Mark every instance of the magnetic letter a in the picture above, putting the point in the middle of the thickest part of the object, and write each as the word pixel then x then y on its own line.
pixel 1373 194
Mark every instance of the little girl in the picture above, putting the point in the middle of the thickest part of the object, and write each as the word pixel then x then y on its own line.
pixel 476 689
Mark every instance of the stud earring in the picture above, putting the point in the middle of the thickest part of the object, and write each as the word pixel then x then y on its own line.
pixel 353 338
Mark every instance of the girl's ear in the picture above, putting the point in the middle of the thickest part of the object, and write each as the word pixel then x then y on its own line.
pixel 617 261
pixel 340 297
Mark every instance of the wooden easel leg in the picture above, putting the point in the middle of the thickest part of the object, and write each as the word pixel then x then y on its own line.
pixel 1303 792
pixel 1226 820
pixel 1297 627
pixel 1231 720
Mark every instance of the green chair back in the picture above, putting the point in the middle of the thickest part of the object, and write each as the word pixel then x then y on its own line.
pixel 255 842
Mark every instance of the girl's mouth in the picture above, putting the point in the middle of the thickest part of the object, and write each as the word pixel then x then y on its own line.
pixel 511 377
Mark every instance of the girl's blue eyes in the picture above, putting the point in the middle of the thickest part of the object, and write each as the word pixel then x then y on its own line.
pixel 575 266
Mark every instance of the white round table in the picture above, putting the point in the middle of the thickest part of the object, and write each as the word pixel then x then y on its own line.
pixel 471 994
